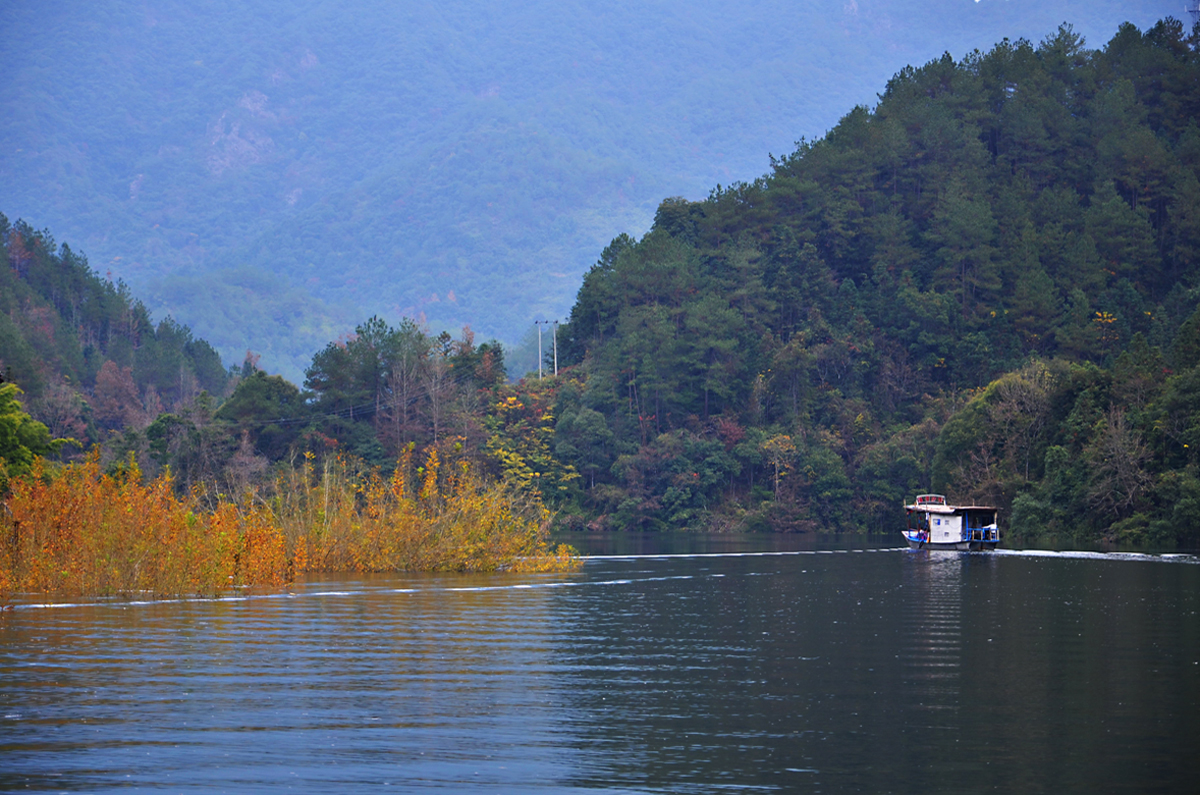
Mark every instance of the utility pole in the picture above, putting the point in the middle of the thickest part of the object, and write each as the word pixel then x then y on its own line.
pixel 540 324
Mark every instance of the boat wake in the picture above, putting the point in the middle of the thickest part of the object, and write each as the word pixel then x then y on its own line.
pixel 1166 557
pixel 773 554
pixel 367 590
pixel 1182 558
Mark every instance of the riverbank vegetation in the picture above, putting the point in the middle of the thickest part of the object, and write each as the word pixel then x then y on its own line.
pixel 987 285
pixel 77 530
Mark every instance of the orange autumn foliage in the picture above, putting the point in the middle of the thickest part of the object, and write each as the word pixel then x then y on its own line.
pixel 341 516
pixel 82 532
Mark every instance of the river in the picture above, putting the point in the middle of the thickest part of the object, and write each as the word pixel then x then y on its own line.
pixel 728 666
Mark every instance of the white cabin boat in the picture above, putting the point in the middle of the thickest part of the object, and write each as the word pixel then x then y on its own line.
pixel 932 524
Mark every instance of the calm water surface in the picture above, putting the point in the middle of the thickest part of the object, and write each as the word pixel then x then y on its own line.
pixel 877 670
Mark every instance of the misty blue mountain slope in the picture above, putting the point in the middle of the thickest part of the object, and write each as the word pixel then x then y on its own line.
pixel 273 172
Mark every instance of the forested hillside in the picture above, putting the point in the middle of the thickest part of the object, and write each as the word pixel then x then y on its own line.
pixel 127 467
pixel 271 172
pixel 985 285
pixel 85 352
pixel 83 362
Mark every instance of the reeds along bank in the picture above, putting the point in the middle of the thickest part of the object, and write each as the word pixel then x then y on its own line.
pixel 80 531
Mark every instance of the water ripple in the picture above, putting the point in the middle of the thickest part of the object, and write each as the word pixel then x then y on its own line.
pixel 702 673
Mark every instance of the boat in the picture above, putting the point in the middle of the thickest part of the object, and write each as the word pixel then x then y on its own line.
pixel 934 524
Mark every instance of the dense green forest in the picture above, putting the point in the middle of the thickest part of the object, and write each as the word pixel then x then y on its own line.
pixel 985 285
pixel 271 172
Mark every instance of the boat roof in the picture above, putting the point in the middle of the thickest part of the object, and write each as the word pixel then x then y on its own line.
pixel 935 508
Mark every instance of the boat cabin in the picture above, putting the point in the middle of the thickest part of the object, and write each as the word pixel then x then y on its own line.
pixel 934 524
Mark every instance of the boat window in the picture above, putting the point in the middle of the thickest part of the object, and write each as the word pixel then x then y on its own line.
pixel 981 518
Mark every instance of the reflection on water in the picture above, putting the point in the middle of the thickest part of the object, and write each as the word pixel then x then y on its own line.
pixel 872 671
pixel 348 686
pixel 932 651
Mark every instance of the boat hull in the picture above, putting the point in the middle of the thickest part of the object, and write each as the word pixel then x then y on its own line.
pixel 964 545
pixel 961 546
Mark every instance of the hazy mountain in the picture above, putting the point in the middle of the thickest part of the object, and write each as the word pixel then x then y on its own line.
pixel 272 172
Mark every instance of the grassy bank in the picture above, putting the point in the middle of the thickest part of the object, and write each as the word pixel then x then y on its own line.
pixel 79 531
